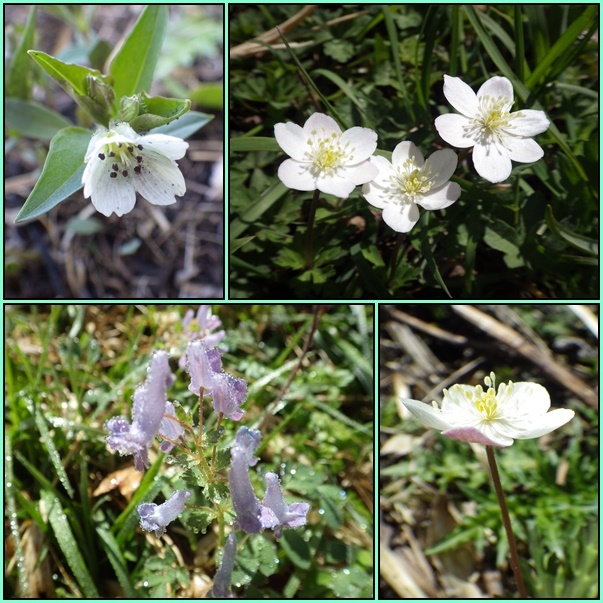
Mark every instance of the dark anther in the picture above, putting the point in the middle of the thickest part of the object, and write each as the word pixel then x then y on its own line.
pixel 113 174
pixel 111 154
pixel 139 158
pixel 125 172
pixel 139 147
pixel 137 169
pixel 101 156
pixel 130 149
pixel 115 167
pixel 119 145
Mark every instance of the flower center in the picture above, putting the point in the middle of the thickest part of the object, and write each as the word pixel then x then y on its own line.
pixel 486 402
pixel 492 116
pixel 326 151
pixel 411 182
pixel 124 158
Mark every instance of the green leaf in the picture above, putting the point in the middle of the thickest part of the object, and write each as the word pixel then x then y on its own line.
pixel 68 544
pixel 253 143
pixel 32 120
pixel 116 559
pixel 61 175
pixel 580 242
pixel 156 111
pixel 55 458
pixel 184 126
pixel 255 210
pixel 502 237
pixel 428 253
pixel 89 88
pixel 18 80
pixel 297 549
pixel 209 95
pixel 133 66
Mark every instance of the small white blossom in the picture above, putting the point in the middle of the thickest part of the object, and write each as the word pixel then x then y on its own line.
pixel 409 181
pixel 120 163
pixel 516 411
pixel 325 158
pixel 486 124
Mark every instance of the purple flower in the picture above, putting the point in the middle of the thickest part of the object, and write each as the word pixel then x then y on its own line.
pixel 206 323
pixel 147 413
pixel 156 517
pixel 273 513
pixel 245 502
pixel 228 394
pixel 170 428
pixel 276 514
pixel 202 364
pixel 221 587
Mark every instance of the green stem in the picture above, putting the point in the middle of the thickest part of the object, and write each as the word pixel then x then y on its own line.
pixel 507 523
pixel 310 230
pixel 393 260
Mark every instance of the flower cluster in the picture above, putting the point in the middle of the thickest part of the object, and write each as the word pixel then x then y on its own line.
pixel 492 417
pixel 154 416
pixel 324 158
pixel 273 513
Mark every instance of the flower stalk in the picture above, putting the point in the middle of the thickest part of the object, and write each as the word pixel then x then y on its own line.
pixel 310 230
pixel 506 522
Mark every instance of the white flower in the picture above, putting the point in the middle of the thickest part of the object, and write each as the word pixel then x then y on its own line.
pixel 409 181
pixel 495 418
pixel 496 135
pixel 120 163
pixel 324 158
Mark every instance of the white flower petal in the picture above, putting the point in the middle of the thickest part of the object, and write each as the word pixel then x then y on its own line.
pixel 159 180
pixel 497 87
pixel 296 175
pixel 455 130
pixel 363 139
pixel 432 417
pixel 529 122
pixel 359 173
pixel 460 96
pixel 108 197
pixel 545 423
pixel 335 184
pixel 320 121
pixel 478 436
pixel 385 169
pixel 442 164
pixel 292 139
pixel 400 217
pixel 491 163
pixel 524 150
pixel 407 150
pixel 170 146
pixel 440 198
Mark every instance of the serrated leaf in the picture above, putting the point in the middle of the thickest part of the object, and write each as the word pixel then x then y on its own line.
pixel 32 120
pixel 216 492
pixel 18 80
pixel 133 66
pixel 89 88
pixel 68 544
pixel 61 175
pixel 197 520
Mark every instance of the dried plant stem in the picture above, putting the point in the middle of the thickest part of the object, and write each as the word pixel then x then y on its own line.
pixel 507 523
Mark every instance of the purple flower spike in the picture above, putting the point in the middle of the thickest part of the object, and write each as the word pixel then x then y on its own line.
pixel 156 517
pixel 221 587
pixel 245 502
pixel 202 364
pixel 229 393
pixel 147 414
pixel 276 514
pixel 170 428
